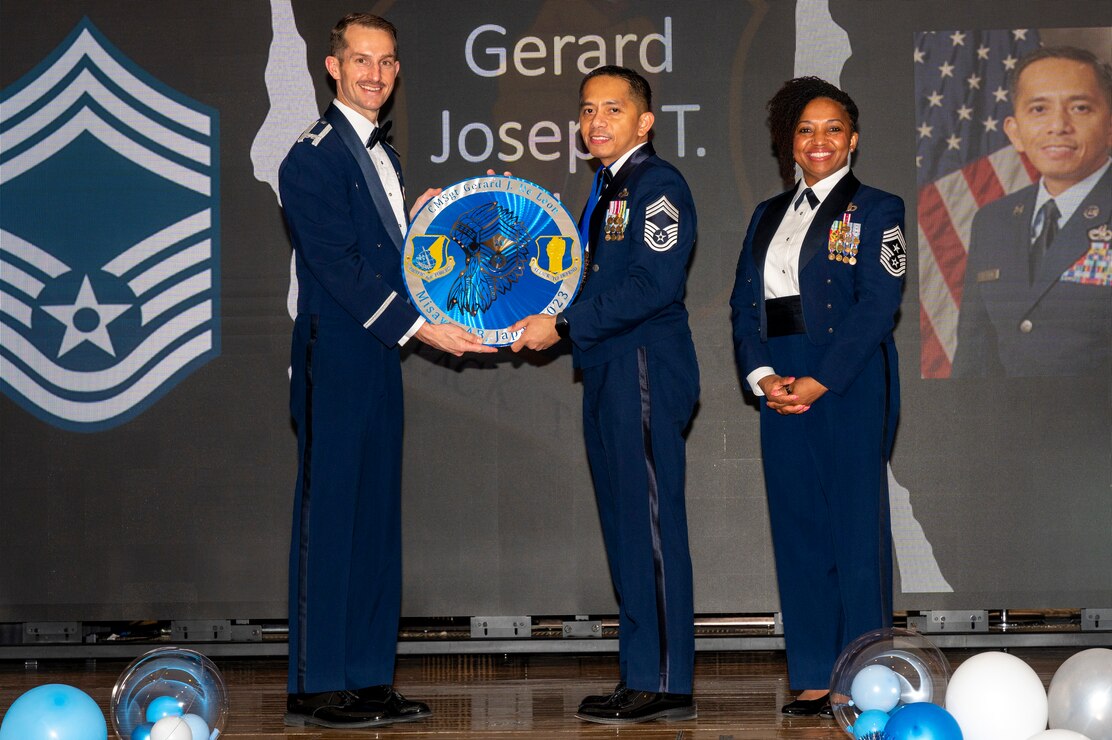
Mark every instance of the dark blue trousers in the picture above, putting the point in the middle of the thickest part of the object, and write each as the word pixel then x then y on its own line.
pixel 635 408
pixel 345 554
pixel 827 482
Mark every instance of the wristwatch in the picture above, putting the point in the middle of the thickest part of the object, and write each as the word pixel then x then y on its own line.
pixel 562 326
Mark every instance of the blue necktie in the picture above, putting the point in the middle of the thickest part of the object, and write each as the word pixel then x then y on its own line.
pixel 601 179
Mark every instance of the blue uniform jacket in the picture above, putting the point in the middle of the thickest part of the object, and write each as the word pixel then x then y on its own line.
pixel 348 246
pixel 634 287
pixel 849 310
pixel 1060 325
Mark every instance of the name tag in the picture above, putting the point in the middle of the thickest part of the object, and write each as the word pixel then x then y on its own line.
pixel 987 276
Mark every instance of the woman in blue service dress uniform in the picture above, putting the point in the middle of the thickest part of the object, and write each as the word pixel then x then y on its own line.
pixel 817 290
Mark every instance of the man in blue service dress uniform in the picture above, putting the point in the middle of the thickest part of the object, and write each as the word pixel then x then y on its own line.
pixel 631 340
pixel 341 190
pixel 1037 299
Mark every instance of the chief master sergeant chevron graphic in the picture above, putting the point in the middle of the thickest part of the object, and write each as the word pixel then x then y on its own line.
pixel 109 236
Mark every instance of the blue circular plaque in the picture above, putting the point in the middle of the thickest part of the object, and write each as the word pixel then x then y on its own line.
pixel 489 251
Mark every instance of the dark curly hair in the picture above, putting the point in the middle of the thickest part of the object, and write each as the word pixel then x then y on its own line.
pixel 785 108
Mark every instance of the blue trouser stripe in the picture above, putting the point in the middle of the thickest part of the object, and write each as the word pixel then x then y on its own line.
pixel 306 498
pixel 654 513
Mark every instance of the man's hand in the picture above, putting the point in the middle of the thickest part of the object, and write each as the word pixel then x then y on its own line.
pixel 450 338
pixel 424 198
pixel 539 332
pixel 778 390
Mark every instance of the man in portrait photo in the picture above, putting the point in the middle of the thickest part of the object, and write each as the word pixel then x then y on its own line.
pixel 1037 294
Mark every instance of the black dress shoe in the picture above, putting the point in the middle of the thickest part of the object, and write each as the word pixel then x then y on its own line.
pixel 807 707
pixel 337 709
pixel 396 706
pixel 629 707
pixel 592 699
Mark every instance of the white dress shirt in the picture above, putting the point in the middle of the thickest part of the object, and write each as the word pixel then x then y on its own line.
pixel 781 266
pixel 389 179
pixel 1067 201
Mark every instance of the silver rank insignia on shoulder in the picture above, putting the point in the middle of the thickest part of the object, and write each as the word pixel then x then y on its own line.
pixel 662 225
pixel 617 219
pixel 893 256
pixel 315 133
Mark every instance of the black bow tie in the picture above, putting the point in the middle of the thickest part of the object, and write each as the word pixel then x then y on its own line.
pixel 812 199
pixel 379 134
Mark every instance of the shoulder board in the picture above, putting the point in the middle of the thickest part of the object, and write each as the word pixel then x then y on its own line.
pixel 315 133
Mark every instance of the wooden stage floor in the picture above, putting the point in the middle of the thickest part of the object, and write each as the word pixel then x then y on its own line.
pixel 500 697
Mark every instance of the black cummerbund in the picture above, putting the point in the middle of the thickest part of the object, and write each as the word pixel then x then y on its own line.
pixel 785 316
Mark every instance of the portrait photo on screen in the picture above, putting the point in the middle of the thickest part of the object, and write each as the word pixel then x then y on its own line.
pixel 1013 133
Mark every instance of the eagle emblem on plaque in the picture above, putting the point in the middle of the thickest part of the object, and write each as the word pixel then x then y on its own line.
pixel 489 251
pixel 109 236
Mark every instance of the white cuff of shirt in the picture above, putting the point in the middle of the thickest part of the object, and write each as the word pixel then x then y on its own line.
pixel 754 378
pixel 412 330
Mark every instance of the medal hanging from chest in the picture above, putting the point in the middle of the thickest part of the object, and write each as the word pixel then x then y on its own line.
pixel 617 219
pixel 845 236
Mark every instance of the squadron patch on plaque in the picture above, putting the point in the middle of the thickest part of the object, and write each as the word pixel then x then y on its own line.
pixel 662 225
pixel 892 253
pixel 488 251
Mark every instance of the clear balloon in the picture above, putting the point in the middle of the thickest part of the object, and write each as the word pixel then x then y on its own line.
pixel 54 712
pixel 919 667
pixel 996 696
pixel 185 678
pixel 922 721
pixel 1080 695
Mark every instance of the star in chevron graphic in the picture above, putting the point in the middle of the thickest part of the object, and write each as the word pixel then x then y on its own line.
pixel 86 319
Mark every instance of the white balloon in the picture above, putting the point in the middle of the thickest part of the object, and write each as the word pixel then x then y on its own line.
pixel 1080 695
pixel 197 726
pixel 996 696
pixel 1058 735
pixel 171 728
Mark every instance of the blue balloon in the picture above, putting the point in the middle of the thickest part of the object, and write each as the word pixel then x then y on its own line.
pixel 54 712
pixel 870 722
pixel 876 687
pixel 164 706
pixel 142 732
pixel 923 721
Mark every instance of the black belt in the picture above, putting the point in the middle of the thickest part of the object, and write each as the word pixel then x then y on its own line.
pixel 785 316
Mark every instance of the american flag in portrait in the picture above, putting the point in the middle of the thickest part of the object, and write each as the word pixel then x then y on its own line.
pixel 963 162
